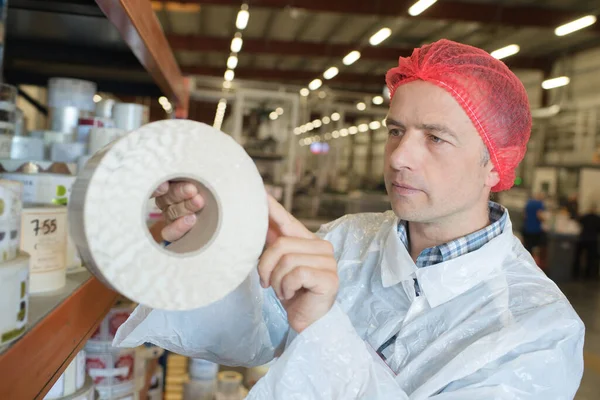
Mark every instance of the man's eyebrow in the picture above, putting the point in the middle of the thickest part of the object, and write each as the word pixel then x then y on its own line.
pixel 439 129
pixel 390 121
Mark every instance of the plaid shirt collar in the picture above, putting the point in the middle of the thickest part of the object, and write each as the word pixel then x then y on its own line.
pixel 461 246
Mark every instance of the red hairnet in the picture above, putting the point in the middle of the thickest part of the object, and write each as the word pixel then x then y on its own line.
pixel 491 95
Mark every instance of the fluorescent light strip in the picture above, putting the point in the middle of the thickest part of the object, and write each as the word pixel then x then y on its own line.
pixel 243 16
pixel 315 84
pixel 351 57
pixel 556 82
pixel 420 6
pixel 331 72
pixel 380 36
pixel 507 51
pixel 576 25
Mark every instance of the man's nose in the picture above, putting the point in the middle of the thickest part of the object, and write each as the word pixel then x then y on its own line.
pixel 408 152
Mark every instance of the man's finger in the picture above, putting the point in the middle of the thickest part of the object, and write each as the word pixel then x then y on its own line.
pixel 315 280
pixel 175 230
pixel 290 262
pixel 189 206
pixel 285 223
pixel 163 188
pixel 273 253
pixel 178 193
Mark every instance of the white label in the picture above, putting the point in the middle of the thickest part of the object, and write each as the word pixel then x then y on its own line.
pixel 106 373
pixel 44 237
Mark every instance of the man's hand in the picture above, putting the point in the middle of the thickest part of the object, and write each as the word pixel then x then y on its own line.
pixel 300 267
pixel 179 201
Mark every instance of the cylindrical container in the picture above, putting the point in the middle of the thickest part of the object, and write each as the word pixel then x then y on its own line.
pixel 19 122
pixel 67 152
pixel 27 148
pixel 104 108
pixel 85 124
pixel 5 145
pixel 50 138
pixel 44 237
pixel 11 193
pixel 100 137
pixel 71 381
pixel 65 92
pixel 202 369
pixel 87 392
pixel 63 119
pixel 229 384
pixel 43 188
pixel 14 298
pixel 112 371
pixel 200 389
pixel 130 116
pixel 105 333
pixel 254 374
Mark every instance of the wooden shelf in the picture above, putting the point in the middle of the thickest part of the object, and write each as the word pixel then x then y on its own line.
pixel 59 325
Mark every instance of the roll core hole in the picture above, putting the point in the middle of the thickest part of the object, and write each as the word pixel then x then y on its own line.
pixel 207 220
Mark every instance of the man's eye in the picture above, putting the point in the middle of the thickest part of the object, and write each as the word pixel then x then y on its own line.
pixel 435 139
pixel 394 132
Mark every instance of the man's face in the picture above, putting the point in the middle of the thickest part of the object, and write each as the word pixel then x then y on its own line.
pixel 433 156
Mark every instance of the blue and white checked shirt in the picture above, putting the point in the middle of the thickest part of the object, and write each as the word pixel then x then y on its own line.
pixel 460 246
pixel 449 251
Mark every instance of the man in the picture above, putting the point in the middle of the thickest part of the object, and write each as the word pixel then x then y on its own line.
pixel 588 243
pixel 435 299
pixel 533 233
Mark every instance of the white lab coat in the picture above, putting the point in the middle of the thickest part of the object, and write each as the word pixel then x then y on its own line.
pixel 488 325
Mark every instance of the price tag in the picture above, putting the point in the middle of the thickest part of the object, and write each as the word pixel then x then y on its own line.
pixel 44 237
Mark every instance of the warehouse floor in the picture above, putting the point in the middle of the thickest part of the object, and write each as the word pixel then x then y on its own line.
pixel 585 298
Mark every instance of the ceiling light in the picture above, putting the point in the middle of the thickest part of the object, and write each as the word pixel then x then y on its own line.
pixel 343 132
pixel 353 130
pixel 226 85
pixel 303 129
pixel 331 72
pixel 420 6
pixel 317 123
pixel 273 116
pixel 236 43
pixel 361 106
pixel 326 120
pixel 377 100
pixel 297 131
pixel 243 16
pixel 380 36
pixel 162 100
pixel 304 92
pixel 351 57
pixel 335 116
pixel 315 84
pixel 363 127
pixel 375 125
pixel 97 98
pixel 229 75
pixel 556 82
pixel 335 134
pixel 576 25
pixel 310 126
pixel 507 51
pixel 322 94
pixel 279 111
pixel 232 62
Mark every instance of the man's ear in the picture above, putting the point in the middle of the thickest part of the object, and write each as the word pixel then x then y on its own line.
pixel 493 177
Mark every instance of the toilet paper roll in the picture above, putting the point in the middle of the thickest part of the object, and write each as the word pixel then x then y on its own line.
pixel 67 152
pixel 108 211
pixel 202 369
pixel 43 188
pixel 70 381
pixel 100 137
pixel 27 148
pixel 14 298
pixel 44 237
pixel 5 145
pixel 200 389
pixel 112 372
